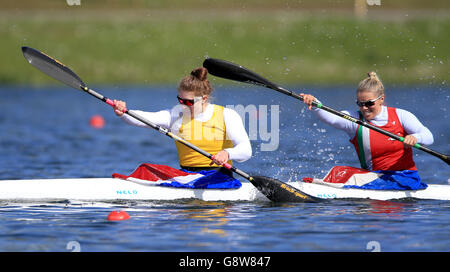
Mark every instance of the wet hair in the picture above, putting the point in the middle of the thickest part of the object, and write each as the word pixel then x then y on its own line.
pixel 196 82
pixel 371 84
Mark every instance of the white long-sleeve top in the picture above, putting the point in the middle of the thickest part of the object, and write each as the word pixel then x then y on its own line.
pixel 409 121
pixel 171 119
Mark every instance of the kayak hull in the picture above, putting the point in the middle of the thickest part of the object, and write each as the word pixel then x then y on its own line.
pixel 115 189
pixel 110 189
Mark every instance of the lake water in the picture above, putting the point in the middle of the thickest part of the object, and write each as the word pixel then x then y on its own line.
pixel 45 133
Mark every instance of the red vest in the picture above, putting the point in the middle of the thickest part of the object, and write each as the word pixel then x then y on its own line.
pixel 380 152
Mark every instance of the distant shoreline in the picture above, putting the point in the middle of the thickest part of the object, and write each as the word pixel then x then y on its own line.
pixel 113 47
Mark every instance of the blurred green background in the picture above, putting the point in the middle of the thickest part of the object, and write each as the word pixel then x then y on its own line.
pixel 290 42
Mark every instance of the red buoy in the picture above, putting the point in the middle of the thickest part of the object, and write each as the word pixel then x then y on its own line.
pixel 118 215
pixel 97 121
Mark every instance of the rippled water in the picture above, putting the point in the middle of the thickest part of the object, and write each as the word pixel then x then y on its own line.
pixel 45 133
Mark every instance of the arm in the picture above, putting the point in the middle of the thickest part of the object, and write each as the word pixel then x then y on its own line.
pixel 160 118
pixel 332 119
pixel 242 149
pixel 338 122
pixel 414 127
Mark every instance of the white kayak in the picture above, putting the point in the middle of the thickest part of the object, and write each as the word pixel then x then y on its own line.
pixel 433 191
pixel 111 189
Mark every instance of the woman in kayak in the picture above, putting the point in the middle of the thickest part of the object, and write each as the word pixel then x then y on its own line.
pixel 376 151
pixel 213 128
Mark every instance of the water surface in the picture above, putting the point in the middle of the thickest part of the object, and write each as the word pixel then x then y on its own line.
pixel 45 133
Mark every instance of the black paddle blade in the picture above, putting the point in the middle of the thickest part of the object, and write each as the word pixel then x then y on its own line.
pixel 278 191
pixel 52 67
pixel 229 70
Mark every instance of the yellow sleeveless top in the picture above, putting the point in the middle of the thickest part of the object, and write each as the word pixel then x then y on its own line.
pixel 209 136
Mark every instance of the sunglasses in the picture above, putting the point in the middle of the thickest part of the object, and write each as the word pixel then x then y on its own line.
pixel 368 103
pixel 188 102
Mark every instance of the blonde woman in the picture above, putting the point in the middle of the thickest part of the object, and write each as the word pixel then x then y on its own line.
pixel 376 151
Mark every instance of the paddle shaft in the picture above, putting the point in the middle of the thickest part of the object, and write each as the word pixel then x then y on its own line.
pixel 236 72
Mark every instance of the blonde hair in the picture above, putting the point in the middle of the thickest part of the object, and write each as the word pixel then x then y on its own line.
pixel 371 84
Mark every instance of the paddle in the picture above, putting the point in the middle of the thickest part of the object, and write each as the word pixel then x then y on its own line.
pixel 228 70
pixel 273 189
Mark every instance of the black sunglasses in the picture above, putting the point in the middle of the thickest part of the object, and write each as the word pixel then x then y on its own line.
pixel 368 103
pixel 187 102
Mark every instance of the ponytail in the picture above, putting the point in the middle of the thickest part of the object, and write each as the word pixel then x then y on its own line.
pixel 371 84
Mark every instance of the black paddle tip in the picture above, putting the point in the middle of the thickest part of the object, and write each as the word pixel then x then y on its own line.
pixel 52 67
pixel 222 68
pixel 214 66
pixel 210 61
pixel 278 191
pixel 26 51
pixel 232 71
